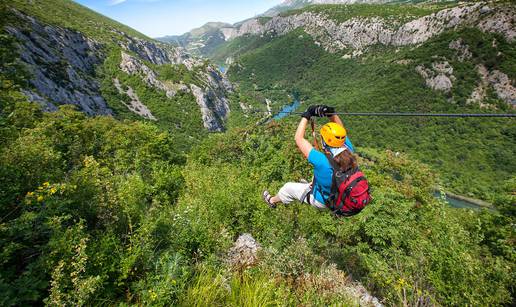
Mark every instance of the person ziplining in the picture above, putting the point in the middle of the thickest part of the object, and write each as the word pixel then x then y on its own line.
pixel 338 184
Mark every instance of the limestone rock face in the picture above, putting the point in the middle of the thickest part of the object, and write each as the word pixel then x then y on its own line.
pixel 229 33
pixel 158 53
pixel 503 87
pixel 214 109
pixel 359 33
pixel 439 77
pixel 499 81
pixel 133 66
pixel 134 104
pixel 480 92
pixel 62 64
pixel 461 48
pixel 244 252
pixel 211 98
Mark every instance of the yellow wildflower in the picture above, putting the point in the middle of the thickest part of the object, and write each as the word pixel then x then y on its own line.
pixel 30 194
pixel 40 198
pixel 153 295
pixel 53 191
pixel 46 184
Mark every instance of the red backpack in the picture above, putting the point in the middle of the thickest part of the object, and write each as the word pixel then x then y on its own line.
pixel 349 192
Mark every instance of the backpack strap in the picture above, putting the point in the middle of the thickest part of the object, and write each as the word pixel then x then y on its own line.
pixel 352 184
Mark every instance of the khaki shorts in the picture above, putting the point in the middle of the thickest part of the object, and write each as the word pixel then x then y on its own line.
pixel 298 191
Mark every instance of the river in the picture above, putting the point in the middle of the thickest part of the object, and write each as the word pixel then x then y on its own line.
pixel 286 109
pixel 457 201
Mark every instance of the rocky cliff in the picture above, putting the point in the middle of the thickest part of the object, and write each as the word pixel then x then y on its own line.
pixel 64 64
pixel 358 33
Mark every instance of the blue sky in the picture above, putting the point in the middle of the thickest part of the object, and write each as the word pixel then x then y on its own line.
pixel 170 17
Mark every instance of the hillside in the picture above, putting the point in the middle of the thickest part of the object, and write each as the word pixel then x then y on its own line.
pixel 359 63
pixel 289 5
pixel 199 41
pixel 95 210
pixel 104 204
pixel 109 69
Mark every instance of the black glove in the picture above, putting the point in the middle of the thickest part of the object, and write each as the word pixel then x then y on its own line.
pixel 309 112
pixel 323 110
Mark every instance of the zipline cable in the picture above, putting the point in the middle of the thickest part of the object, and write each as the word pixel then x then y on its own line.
pixel 394 114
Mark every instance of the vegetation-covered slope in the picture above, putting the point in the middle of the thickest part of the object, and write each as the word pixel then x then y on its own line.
pixel 95 210
pixel 100 211
pixel 292 5
pixel 471 154
pixel 199 41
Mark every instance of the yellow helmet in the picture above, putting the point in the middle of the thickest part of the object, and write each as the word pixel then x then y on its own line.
pixel 333 134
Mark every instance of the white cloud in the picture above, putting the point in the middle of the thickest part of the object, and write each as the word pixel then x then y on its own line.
pixel 115 2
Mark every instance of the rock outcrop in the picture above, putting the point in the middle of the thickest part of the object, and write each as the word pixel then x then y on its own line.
pixel 62 64
pixel 439 77
pixel 244 252
pixel 503 86
pixel 461 49
pixel 157 53
pixel 214 109
pixel 132 66
pixel 211 98
pixel 135 105
pixel 359 33
pixel 500 82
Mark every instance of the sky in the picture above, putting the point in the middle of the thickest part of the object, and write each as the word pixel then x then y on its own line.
pixel 156 18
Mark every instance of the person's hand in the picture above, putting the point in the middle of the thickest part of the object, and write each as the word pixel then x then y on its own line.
pixel 309 112
pixel 324 110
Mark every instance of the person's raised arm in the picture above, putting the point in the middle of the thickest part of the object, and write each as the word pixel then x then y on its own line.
pixel 330 112
pixel 336 119
pixel 303 144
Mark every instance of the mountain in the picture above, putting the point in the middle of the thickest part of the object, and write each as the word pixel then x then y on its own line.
pixel 394 58
pixel 201 40
pixel 204 41
pixel 75 56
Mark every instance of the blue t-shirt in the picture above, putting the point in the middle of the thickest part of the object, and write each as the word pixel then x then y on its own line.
pixel 323 172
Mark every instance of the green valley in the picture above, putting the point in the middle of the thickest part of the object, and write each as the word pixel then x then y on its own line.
pixel 471 154
pixel 131 172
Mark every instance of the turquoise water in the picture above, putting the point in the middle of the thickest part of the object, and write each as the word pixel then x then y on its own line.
pixel 286 109
pixel 222 69
pixel 457 203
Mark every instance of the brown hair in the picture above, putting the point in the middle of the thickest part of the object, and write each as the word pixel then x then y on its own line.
pixel 346 160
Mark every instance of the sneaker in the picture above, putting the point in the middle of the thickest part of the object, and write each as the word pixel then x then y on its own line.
pixel 267 199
